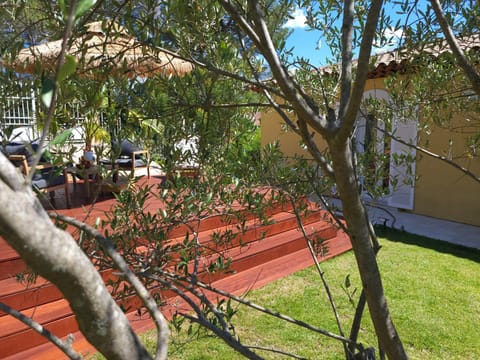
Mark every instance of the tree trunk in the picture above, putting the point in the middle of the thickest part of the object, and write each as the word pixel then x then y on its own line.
pixel 54 254
pixel 358 228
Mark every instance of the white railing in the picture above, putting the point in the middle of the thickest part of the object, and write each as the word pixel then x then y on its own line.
pixel 19 112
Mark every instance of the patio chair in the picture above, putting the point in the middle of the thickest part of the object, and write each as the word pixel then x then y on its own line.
pixel 128 157
pixel 47 178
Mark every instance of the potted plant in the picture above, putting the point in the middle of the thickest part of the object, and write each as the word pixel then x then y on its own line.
pixel 92 132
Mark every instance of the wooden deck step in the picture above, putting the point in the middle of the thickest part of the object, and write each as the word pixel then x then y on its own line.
pixel 56 316
pixel 220 220
pixel 252 230
pixel 244 257
pixel 217 222
pixel 239 284
pixel 251 255
pixel 257 276
pixel 18 296
pixel 261 253
pixel 265 250
pixel 10 262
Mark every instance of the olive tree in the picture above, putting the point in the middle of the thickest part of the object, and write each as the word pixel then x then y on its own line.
pixel 242 41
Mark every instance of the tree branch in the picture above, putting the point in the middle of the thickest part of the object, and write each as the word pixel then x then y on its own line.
pixel 468 68
pixel 252 305
pixel 313 149
pixel 319 270
pixel 147 299
pixel 252 104
pixel 276 351
pixel 355 100
pixel 279 110
pixel 11 176
pixel 260 35
pixel 202 320
pixel 239 77
pixel 347 55
pixel 64 346
pixel 51 107
pixel 432 154
pixel 99 318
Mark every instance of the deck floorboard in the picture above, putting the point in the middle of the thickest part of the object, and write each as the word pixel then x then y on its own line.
pixel 267 253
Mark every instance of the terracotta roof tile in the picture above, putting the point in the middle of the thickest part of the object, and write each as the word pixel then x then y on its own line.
pixel 385 64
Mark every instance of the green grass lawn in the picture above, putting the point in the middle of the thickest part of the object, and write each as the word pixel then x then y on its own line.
pixel 433 289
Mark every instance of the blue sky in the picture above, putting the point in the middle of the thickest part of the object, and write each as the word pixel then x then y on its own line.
pixel 308 44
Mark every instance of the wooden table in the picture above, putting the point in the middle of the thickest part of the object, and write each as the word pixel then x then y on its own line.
pixel 90 175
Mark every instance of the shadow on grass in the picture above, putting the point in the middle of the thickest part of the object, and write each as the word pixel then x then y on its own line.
pixel 425 242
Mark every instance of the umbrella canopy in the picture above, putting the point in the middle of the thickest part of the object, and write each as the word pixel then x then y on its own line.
pixel 104 48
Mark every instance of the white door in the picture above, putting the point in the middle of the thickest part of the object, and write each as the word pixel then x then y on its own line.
pixel 375 128
pixel 400 179
pixel 402 164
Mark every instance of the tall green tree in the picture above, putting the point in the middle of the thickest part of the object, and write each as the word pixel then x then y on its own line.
pixel 239 46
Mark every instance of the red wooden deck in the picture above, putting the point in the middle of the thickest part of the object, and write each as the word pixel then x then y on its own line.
pixel 272 251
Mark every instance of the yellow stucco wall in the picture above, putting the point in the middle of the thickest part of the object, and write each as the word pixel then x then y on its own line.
pixel 272 128
pixel 440 191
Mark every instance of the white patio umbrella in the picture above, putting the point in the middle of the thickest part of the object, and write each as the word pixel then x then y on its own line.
pixel 104 49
